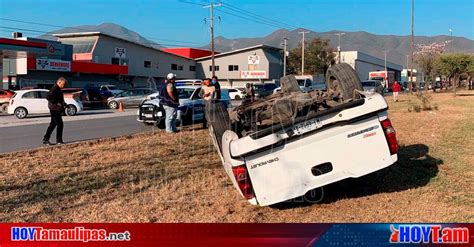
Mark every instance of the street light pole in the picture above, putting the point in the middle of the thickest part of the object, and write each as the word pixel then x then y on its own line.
pixel 412 41
pixel 285 45
pixel 339 46
pixel 302 51
pixel 385 63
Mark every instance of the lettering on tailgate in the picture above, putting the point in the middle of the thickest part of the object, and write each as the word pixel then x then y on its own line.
pixel 362 131
pixel 264 163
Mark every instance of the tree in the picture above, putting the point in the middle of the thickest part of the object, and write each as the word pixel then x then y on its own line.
pixel 318 57
pixel 426 56
pixel 453 65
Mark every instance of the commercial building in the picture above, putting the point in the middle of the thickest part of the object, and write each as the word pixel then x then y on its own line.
pixel 364 63
pixel 252 64
pixel 144 62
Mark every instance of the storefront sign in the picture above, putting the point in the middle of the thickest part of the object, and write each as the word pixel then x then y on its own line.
pixel 254 59
pixel 53 65
pixel 120 52
pixel 255 74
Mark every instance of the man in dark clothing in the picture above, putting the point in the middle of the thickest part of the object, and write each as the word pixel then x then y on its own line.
pixel 215 83
pixel 56 108
pixel 169 98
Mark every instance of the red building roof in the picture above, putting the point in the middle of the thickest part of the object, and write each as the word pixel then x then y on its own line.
pixel 192 53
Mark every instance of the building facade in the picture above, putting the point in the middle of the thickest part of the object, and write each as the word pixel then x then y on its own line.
pixel 143 62
pixel 364 63
pixel 235 68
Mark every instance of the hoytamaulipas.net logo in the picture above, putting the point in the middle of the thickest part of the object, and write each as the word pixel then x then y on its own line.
pixel 72 234
pixel 429 234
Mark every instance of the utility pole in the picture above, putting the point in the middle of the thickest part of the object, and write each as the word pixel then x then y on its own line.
pixel 339 47
pixel 412 41
pixel 211 22
pixel 451 41
pixel 302 51
pixel 386 72
pixel 285 47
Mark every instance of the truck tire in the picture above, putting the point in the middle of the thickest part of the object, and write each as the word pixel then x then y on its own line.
pixel 218 119
pixel 343 79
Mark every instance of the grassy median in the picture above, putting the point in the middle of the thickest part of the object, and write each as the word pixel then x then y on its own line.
pixel 154 177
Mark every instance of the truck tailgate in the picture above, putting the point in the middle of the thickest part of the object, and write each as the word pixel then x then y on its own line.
pixel 311 161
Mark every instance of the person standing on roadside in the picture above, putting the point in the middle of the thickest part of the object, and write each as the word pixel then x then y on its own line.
pixel 56 107
pixel 396 88
pixel 249 93
pixel 207 93
pixel 169 97
pixel 215 83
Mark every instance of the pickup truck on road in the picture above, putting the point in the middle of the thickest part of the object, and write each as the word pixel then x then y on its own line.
pixel 287 144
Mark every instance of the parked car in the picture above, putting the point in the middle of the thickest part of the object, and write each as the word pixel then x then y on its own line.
pixel 264 89
pixel 79 93
pixel 236 93
pixel 5 96
pixel 26 102
pixel 131 97
pixel 190 109
pixel 95 96
pixel 109 90
pixel 373 86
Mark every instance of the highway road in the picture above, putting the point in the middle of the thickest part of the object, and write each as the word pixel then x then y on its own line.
pixel 22 137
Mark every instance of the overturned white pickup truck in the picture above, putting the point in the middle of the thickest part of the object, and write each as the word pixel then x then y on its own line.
pixel 292 142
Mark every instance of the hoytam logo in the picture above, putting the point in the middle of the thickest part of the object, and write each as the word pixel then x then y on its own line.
pixel 75 234
pixel 435 234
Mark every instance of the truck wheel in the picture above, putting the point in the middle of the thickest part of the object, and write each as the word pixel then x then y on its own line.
pixel 343 79
pixel 161 124
pixel 218 119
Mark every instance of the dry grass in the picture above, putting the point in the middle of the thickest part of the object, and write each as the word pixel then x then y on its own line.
pixel 154 177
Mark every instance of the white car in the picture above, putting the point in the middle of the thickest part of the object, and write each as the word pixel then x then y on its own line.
pixel 25 102
pixel 236 93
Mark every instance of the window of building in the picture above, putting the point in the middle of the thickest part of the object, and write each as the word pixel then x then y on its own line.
pixel 233 67
pixel 216 68
pixel 174 66
pixel 80 44
pixel 180 67
pixel 192 68
pixel 147 64
pixel 119 61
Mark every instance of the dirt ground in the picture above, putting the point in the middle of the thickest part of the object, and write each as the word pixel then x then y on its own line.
pixel 153 177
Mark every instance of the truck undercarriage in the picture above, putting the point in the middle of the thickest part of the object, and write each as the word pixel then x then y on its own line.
pixel 289 106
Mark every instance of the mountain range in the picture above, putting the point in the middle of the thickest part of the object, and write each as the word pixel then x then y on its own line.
pixel 397 46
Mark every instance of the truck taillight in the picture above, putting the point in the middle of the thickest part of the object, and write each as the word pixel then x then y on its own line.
pixel 390 135
pixel 243 180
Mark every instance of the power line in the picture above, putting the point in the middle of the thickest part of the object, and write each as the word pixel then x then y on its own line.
pixel 44 32
pixel 243 17
pixel 87 30
pixel 261 17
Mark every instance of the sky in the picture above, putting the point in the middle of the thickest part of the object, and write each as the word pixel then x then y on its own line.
pixel 183 20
